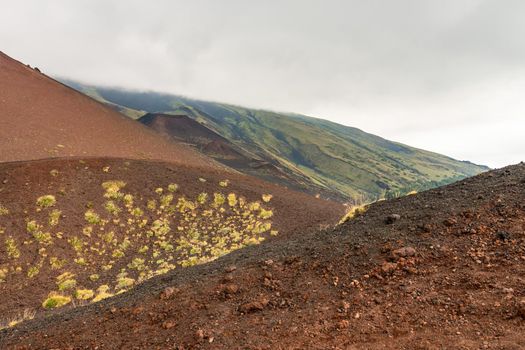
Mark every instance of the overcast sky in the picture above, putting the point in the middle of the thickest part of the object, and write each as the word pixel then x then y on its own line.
pixel 447 76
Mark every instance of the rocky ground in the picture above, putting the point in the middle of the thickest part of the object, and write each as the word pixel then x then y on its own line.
pixel 441 269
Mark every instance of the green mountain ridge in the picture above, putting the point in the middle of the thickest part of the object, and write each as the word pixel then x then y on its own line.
pixel 321 157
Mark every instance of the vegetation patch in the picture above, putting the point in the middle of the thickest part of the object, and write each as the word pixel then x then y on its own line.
pixel 134 237
pixel 55 300
pixel 3 210
pixel 46 201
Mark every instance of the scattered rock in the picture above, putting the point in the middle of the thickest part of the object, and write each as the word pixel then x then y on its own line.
pixel 230 288
pixel 254 306
pixel 502 235
pixel 199 334
pixel 390 219
pixel 520 306
pixel 168 293
pixel 343 324
pixel 230 268
pixel 388 267
pixel 138 310
pixel 405 252
pixel 345 306
pixel 424 228
pixel 450 222
pixel 227 278
pixel 268 262
pixel 168 324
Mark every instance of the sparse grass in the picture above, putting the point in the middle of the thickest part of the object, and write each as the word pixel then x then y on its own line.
pixel 32 226
pixel 232 200
pixel 43 237
pixel 127 244
pixel 33 271
pixel 173 187
pixel 166 200
pixel 266 198
pixel 84 294
pixel 11 248
pixel 353 212
pixel 218 199
pixel 26 315
pixel 112 208
pixel 202 198
pixel 3 274
pixel 92 217
pixel 3 210
pixel 265 214
pixel 102 293
pixel 66 281
pixel 124 282
pixel 152 205
pixel 54 217
pixel 46 201
pixel 55 300
pixel 76 243
pixel 113 189
pixel 56 263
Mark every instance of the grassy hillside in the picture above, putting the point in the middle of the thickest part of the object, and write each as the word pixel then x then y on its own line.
pixel 324 157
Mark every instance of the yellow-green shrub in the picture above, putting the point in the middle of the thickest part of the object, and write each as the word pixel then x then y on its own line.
pixel 55 300
pixel 84 294
pixel 46 201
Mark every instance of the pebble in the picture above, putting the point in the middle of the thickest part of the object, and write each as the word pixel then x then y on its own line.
pixel 404 252
pixel 231 268
pixel 388 267
pixel 390 219
pixel 168 293
pixel 168 324
pixel 230 288
pixel 253 306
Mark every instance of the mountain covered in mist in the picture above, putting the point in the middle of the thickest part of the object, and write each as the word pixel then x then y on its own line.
pixel 305 153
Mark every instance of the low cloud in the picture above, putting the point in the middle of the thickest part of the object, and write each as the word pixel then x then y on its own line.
pixel 441 75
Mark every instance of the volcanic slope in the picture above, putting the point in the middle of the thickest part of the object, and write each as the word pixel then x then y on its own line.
pixel 42 118
pixel 74 231
pixel 320 157
pixel 442 269
pixel 182 128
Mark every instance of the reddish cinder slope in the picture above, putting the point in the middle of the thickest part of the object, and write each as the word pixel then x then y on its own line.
pixel 446 272
pixel 50 241
pixel 42 118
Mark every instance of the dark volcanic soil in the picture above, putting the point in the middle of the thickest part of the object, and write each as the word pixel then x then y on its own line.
pixel 181 128
pixel 76 184
pixel 441 269
pixel 42 118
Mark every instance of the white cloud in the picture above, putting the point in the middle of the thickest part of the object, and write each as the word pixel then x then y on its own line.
pixel 441 75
